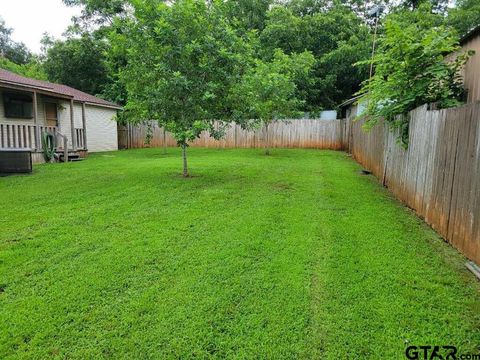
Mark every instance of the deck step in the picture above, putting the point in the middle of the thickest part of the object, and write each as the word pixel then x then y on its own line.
pixel 72 156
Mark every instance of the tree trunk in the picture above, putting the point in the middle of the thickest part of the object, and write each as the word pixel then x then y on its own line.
pixel 184 154
pixel 267 149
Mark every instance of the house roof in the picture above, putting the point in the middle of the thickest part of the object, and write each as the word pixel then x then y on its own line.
pixel 349 101
pixel 474 32
pixel 8 77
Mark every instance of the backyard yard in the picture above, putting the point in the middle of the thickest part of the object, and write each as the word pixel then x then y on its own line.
pixel 293 255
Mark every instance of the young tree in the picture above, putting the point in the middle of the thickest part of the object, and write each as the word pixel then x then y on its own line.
pixel 182 59
pixel 267 92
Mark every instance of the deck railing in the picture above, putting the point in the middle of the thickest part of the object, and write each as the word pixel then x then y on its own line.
pixel 21 136
pixel 17 136
pixel 80 138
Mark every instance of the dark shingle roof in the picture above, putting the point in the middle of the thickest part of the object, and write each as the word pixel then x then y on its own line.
pixel 470 35
pixel 77 95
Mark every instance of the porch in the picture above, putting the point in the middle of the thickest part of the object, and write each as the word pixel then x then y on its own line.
pixel 24 136
pixel 27 114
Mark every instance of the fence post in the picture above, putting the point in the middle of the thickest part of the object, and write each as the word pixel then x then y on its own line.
pixel 235 133
pixel 164 141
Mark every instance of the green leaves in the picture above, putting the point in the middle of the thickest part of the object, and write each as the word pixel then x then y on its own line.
pixel 268 92
pixel 182 61
pixel 15 52
pixel 32 69
pixel 336 36
pixel 464 16
pixel 411 68
pixel 79 62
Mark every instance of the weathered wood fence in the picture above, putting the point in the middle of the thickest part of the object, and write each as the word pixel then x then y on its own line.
pixel 315 134
pixel 438 175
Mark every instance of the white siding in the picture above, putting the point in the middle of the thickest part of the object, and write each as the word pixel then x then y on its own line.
pixel 101 129
pixel 65 127
pixel 77 116
pixel 64 120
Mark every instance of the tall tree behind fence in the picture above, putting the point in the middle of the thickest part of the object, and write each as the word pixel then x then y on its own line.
pixel 438 175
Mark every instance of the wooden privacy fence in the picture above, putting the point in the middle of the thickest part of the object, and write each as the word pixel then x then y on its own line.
pixel 315 134
pixel 438 175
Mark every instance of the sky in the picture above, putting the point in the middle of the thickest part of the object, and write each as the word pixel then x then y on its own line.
pixel 31 18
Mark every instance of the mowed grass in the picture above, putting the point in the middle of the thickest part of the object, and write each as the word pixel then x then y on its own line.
pixel 294 255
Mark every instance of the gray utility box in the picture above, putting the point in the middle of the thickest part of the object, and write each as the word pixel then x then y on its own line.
pixel 15 161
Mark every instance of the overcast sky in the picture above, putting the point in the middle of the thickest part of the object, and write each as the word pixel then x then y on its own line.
pixel 31 18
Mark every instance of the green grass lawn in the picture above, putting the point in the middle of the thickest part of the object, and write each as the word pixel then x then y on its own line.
pixel 295 255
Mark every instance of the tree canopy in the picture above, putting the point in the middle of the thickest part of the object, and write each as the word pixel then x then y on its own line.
pixel 465 16
pixel 98 12
pixel 338 34
pixel 14 51
pixel 181 61
pixel 328 35
pixel 411 69
pixel 15 56
pixel 78 62
pixel 267 91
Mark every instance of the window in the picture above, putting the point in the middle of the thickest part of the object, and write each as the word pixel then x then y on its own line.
pixel 18 106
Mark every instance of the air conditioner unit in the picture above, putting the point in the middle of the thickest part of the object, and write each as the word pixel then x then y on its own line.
pixel 15 161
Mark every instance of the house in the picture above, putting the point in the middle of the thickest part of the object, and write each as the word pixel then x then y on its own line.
pixel 471 72
pixel 351 108
pixel 30 108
